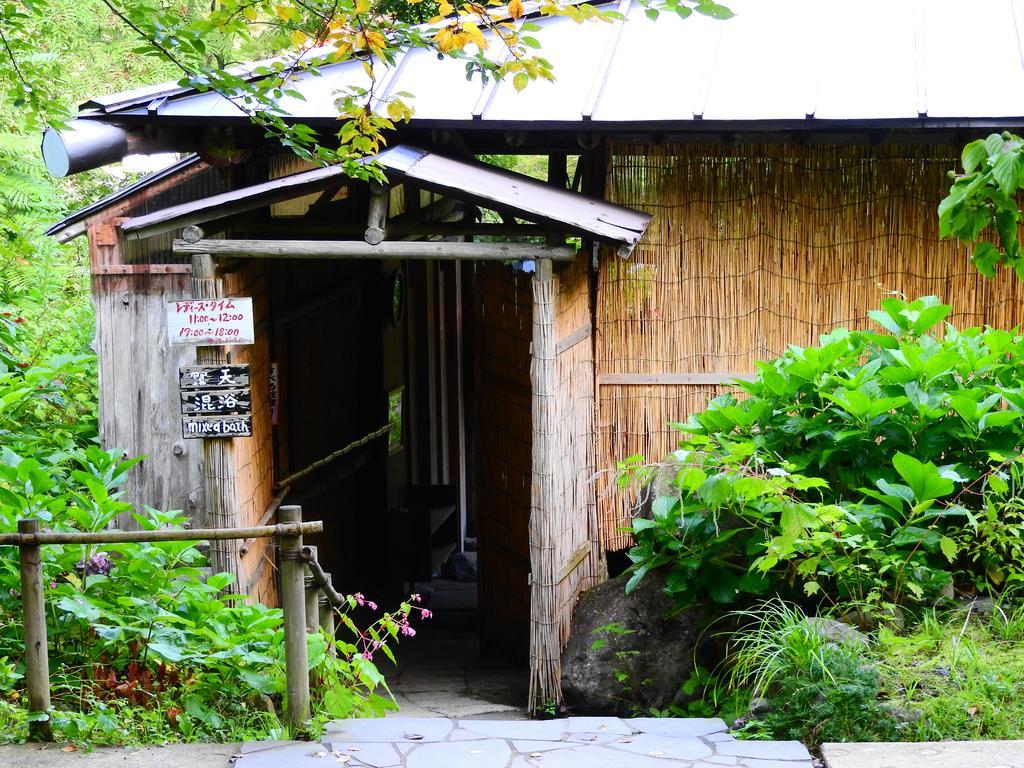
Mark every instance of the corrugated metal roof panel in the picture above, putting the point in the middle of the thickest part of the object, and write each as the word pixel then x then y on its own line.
pixel 778 60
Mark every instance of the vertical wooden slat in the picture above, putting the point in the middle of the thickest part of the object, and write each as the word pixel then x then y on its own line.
pixel 220 492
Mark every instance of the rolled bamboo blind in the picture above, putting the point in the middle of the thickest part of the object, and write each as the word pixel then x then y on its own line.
pixel 753 248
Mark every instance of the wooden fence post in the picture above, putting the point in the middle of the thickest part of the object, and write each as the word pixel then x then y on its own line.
pixel 37 659
pixel 326 613
pixel 293 602
pixel 312 593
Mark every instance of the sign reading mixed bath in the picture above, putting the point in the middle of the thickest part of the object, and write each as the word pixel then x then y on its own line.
pixel 210 322
pixel 215 401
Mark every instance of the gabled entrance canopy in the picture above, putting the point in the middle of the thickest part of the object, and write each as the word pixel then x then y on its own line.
pixel 511 193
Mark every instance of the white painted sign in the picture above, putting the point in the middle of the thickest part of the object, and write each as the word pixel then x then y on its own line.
pixel 210 322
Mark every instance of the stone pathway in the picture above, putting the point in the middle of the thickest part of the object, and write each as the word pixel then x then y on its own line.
pixel 575 742
pixel 945 754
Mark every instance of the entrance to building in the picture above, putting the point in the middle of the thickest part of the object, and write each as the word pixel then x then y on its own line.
pixel 432 359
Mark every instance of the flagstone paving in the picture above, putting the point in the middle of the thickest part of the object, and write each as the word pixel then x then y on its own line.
pixel 574 742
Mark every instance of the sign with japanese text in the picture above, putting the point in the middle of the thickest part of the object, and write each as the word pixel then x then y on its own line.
pixel 213 376
pixel 210 322
pixel 234 401
pixel 215 401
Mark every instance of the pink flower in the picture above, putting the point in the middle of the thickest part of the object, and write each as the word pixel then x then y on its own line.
pixel 371 605
pixel 408 631
pixel 415 598
pixel 359 598
pixel 367 655
pixel 425 613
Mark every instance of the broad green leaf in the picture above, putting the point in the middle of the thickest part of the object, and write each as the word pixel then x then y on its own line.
pixel 923 478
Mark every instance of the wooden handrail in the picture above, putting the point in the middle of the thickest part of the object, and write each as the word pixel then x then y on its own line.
pixel 289 532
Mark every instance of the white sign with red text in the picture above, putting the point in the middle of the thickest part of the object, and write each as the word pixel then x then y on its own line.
pixel 210 322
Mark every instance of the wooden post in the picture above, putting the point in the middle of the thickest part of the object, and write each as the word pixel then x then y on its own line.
pixel 220 495
pixel 545 649
pixel 293 603
pixel 326 611
pixel 37 660
pixel 312 593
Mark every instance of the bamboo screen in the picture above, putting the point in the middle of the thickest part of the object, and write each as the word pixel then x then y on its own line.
pixel 564 534
pixel 753 248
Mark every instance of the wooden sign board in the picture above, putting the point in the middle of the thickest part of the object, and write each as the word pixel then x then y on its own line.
pixel 197 427
pixel 191 377
pixel 216 402
pixel 210 322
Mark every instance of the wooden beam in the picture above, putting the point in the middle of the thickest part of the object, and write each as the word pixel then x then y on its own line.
pixel 638 379
pixel 349 249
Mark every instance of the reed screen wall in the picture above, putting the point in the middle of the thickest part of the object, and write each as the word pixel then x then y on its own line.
pixel 753 248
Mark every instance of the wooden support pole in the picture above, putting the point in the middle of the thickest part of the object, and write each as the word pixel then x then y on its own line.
pixel 545 649
pixel 293 603
pixel 312 595
pixel 37 660
pixel 377 218
pixel 220 495
pixel 351 249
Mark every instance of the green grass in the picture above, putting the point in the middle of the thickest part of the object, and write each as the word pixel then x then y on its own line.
pixel 965 673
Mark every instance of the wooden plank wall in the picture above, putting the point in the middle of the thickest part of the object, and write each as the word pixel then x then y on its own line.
pixel 753 248
pixel 139 411
pixel 254 456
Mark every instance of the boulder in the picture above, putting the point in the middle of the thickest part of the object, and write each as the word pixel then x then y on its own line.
pixel 839 632
pixel 639 665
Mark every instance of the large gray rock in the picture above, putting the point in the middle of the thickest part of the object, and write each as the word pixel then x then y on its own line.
pixel 656 655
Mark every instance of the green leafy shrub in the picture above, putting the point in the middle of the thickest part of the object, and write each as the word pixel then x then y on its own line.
pixel 876 468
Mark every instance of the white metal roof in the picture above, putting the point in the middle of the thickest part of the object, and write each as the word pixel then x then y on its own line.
pixel 789 60
pixel 528 198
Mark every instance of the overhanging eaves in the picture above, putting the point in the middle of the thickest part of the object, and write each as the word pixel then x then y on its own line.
pixel 473 182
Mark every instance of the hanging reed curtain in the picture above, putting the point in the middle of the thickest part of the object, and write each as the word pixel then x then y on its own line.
pixel 565 552
pixel 753 248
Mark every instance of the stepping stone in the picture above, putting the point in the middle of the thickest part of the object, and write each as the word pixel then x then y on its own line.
pixel 489 753
pixel 249 747
pixel 715 737
pixel 594 738
pixel 752 762
pixel 389 729
pixel 664 747
pixel 528 747
pixel 764 750
pixel 294 755
pixel 682 728
pixel 597 725
pixel 462 735
pixel 372 754
pixel 600 757
pixel 721 760
pixel 536 730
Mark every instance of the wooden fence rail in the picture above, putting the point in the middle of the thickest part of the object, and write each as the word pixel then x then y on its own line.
pixel 29 539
